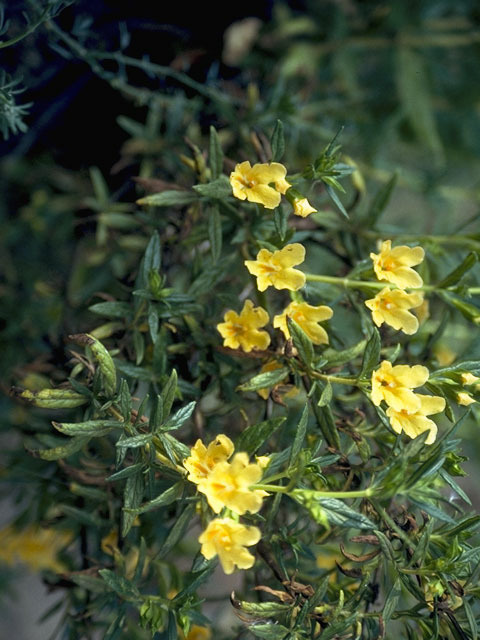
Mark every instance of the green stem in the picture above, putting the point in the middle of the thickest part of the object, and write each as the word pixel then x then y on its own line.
pixel 370 284
pixel 345 495
pixel 335 379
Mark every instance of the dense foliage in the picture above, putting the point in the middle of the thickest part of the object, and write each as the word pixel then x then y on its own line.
pixel 245 350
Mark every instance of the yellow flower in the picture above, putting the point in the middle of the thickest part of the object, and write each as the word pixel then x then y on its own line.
pixel 227 539
pixel 228 485
pixel 392 307
pixel 395 384
pixel 303 208
pixel 413 423
pixel 198 633
pixel 203 459
pixel 465 399
pixel 469 378
pixel 252 183
pixel 276 268
pixel 307 317
pixel 35 547
pixel 243 330
pixel 394 265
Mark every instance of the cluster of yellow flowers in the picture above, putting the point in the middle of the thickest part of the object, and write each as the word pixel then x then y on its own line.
pixel 255 185
pixel 392 306
pixel 226 485
pixel 265 184
pixel 407 410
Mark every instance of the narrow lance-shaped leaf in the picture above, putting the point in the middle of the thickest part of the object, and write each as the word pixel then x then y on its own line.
pixel 215 154
pixel 214 225
pixel 277 142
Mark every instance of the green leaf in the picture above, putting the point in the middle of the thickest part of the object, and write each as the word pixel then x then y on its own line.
pixel 386 547
pixel 371 356
pixel 325 421
pixel 132 497
pixel 177 531
pixel 218 189
pixel 252 438
pixel 123 587
pixel 125 473
pixel 301 341
pixel 299 436
pixel 52 398
pixel 472 622
pixel 178 418
pixel 335 358
pixel 269 631
pixel 391 601
pixel 454 276
pixel 168 393
pixel 124 400
pixel 112 309
pixel 331 193
pixel 211 276
pixel 90 583
pixel 214 225
pixel 215 154
pixel 380 202
pixel 326 395
pixel 167 497
pixel 334 511
pixel 168 199
pixel 199 578
pixel 95 428
pixel 62 451
pixel 265 380
pixel 277 142
pixel 280 219
pixel 135 441
pixel 152 258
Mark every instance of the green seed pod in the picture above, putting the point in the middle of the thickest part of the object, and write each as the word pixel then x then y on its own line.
pixel 52 398
pixel 103 359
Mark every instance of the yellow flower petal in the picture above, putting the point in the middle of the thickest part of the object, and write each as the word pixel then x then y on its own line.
pixel 303 208
pixel 394 385
pixel 394 265
pixel 228 539
pixel 274 269
pixel 242 331
pixel 391 306
pixel 203 459
pixel 228 485
pixel 307 317
pixel 413 423
pixel 252 183
pixel 465 399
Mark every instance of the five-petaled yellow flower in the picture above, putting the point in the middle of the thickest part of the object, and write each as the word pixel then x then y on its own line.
pixel 307 317
pixel 303 208
pixel 394 265
pixel 253 183
pixel 243 331
pixel 413 423
pixel 227 539
pixel 203 459
pixel 228 485
pixel 36 547
pixel 275 269
pixel 394 385
pixel 392 307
